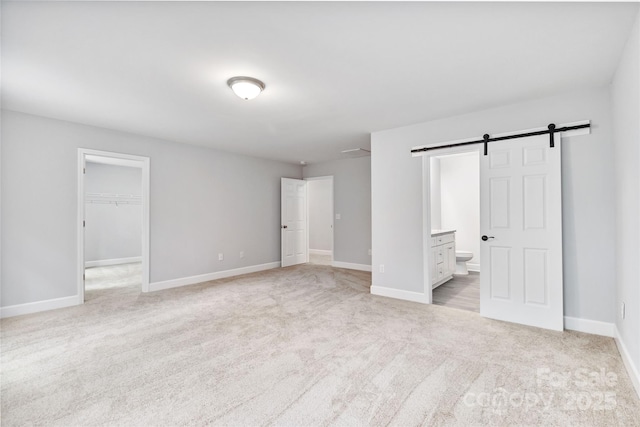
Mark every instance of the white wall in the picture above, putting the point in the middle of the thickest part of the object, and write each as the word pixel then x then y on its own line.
pixel 320 196
pixel 588 200
pixel 112 231
pixel 460 193
pixel 625 99
pixel 436 196
pixel 352 200
pixel 202 202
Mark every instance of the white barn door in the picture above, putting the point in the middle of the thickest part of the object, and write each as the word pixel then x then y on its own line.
pixel 294 225
pixel 521 224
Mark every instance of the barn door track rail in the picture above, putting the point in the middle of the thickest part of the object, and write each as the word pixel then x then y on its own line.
pixel 486 139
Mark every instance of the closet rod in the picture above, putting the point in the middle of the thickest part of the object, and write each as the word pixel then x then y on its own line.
pixel 551 129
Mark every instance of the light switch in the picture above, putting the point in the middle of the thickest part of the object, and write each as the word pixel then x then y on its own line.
pixel 338 216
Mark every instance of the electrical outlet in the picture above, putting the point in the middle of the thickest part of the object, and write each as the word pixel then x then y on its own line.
pixel 623 311
pixel 338 216
pixel 241 254
pixel 369 251
pixel 220 256
pixel 381 268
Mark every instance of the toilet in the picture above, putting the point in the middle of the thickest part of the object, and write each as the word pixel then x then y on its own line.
pixel 461 262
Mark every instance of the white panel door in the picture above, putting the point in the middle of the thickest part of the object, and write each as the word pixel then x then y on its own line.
pixel 521 220
pixel 294 222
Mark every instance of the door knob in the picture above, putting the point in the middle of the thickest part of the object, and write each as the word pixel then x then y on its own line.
pixel 284 226
pixel 485 238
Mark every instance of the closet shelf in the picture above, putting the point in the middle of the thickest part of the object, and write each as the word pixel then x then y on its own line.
pixel 113 199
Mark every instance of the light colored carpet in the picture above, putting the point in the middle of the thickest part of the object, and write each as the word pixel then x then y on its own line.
pixel 305 345
pixel 102 282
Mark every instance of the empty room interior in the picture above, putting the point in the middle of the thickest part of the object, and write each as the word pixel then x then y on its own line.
pixel 319 213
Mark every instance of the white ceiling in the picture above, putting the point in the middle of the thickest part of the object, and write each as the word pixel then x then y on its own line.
pixel 334 72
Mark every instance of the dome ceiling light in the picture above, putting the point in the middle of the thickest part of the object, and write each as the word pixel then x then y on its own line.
pixel 245 87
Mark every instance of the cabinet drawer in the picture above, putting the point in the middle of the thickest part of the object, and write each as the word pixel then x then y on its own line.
pixel 440 256
pixel 440 271
pixel 445 238
pixel 434 242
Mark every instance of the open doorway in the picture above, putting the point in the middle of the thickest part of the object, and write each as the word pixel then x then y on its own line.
pixel 520 225
pixel 113 236
pixel 320 211
pixel 455 224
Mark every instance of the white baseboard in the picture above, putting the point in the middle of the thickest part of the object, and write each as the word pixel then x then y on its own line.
pixel 191 280
pixel 35 307
pixel 632 369
pixel 399 294
pixel 473 267
pixel 115 261
pixel 589 326
pixel 351 266
pixel 320 252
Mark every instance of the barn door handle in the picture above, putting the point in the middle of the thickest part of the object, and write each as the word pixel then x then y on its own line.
pixel 485 238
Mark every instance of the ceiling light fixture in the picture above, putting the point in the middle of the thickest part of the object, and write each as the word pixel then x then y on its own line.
pixel 245 87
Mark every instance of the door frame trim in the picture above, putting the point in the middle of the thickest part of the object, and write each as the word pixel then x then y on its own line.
pixel 144 164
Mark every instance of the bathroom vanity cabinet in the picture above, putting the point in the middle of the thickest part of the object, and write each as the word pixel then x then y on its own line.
pixel 443 256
